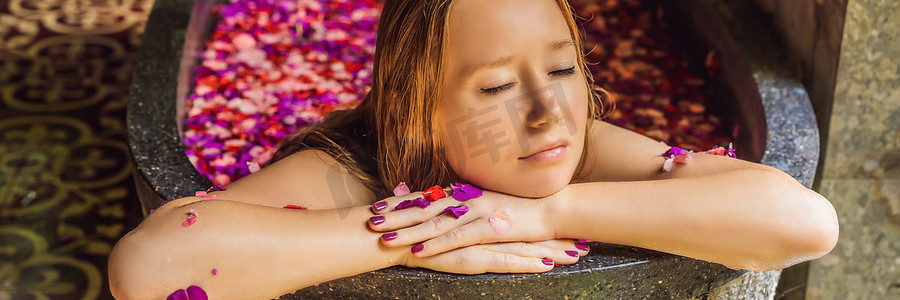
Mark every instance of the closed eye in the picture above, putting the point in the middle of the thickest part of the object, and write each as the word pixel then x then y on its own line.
pixel 498 89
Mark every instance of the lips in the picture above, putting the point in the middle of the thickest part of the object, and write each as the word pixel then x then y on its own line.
pixel 547 146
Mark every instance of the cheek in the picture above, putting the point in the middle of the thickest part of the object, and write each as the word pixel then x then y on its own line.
pixel 477 143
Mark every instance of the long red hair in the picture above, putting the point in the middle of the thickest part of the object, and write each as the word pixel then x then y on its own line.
pixel 390 136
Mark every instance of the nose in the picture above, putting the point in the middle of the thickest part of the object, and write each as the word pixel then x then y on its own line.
pixel 543 110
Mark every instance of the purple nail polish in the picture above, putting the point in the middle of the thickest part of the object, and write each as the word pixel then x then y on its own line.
pixel 572 253
pixel 418 248
pixel 389 236
pixel 583 247
pixel 380 205
pixel 548 262
pixel 377 220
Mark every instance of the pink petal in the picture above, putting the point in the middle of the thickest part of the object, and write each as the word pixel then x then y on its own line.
pixel 684 158
pixel 254 167
pixel 200 193
pixel 192 217
pixel 500 222
pixel 669 164
pixel 401 189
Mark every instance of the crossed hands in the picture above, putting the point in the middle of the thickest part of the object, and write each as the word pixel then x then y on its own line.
pixel 494 232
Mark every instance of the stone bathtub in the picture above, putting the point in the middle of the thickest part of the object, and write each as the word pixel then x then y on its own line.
pixel 753 85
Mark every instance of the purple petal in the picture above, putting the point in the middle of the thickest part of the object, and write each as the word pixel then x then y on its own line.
pixel 456 211
pixel 463 192
pixel 404 205
pixel 196 293
pixel 421 202
pixel 178 295
pixel 673 152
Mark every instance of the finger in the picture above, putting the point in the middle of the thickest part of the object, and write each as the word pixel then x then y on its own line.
pixel 477 260
pixel 426 224
pixel 388 204
pixel 566 244
pixel 397 219
pixel 510 263
pixel 471 233
pixel 561 256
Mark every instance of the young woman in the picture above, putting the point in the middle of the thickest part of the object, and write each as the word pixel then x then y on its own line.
pixel 494 94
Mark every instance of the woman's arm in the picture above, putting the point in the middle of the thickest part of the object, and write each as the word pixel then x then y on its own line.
pixel 748 218
pixel 256 251
pixel 309 178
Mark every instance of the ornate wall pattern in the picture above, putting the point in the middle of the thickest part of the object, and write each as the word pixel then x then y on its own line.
pixel 66 192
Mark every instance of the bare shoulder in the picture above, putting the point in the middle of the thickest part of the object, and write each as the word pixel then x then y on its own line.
pixel 309 178
pixel 619 154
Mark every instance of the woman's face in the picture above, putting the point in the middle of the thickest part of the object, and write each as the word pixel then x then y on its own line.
pixel 512 87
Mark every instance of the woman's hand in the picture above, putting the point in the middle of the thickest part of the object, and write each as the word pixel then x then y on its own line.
pixel 512 257
pixel 492 217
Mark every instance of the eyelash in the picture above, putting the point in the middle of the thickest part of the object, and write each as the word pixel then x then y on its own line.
pixel 496 90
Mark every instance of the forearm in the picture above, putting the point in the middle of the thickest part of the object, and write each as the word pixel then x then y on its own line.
pixel 257 251
pixel 747 219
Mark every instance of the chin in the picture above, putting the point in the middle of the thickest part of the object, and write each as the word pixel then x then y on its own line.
pixel 526 186
pixel 544 189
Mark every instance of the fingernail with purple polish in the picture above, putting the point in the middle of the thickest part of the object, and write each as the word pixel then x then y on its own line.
pixel 548 262
pixel 377 220
pixel 572 253
pixel 389 236
pixel 380 205
pixel 418 248
pixel 583 247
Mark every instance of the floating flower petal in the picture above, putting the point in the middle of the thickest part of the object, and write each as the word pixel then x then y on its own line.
pixel 456 211
pixel 464 192
pixel 434 193
pixel 401 189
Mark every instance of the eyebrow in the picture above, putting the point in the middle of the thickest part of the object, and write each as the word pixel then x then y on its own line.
pixel 552 46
